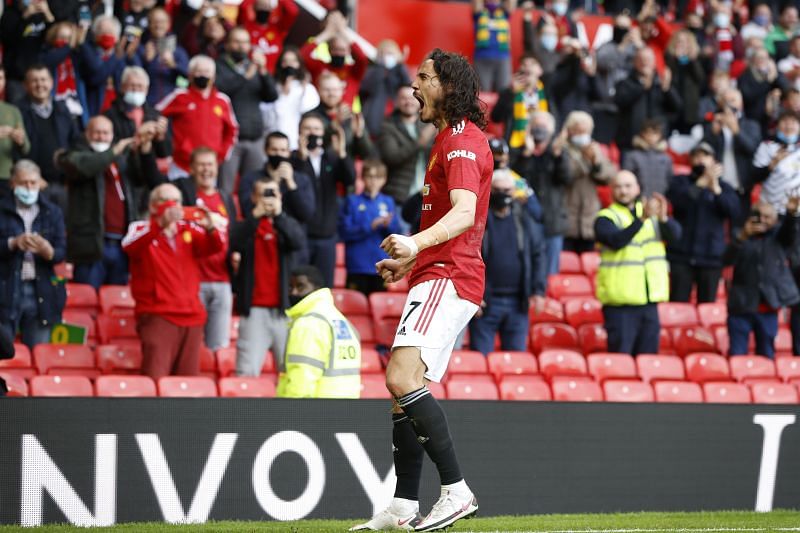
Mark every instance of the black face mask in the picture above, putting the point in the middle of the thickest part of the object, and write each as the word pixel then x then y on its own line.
pixel 337 61
pixel 201 82
pixel 497 164
pixel 619 34
pixel 275 160
pixel 314 142
pixel 289 71
pixel 698 170
pixel 262 16
pixel 238 56
pixel 294 300
pixel 500 200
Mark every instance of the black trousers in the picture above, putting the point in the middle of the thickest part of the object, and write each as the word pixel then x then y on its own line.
pixel 683 276
pixel 632 329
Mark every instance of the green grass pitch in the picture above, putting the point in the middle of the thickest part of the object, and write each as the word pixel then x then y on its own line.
pixel 705 522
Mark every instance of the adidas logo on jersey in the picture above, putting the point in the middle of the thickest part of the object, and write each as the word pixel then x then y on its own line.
pixel 459 128
pixel 402 331
pixel 461 153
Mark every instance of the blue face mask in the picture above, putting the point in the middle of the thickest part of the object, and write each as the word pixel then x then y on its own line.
pixel 25 195
pixel 683 60
pixel 560 8
pixel 786 139
pixel 549 42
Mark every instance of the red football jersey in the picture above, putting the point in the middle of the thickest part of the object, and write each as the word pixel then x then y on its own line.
pixel 460 159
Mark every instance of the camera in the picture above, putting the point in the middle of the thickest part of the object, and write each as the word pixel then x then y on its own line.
pixel 269 193
pixel 755 215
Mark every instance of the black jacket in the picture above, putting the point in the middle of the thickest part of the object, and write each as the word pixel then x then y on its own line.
pixel 754 91
pixel 333 170
pixel 636 104
pixel 124 127
pixel 246 95
pixel 299 203
pixel 399 152
pixel 745 144
pixel 378 86
pixel 761 270
pixel 66 129
pixel 549 176
pixel 291 237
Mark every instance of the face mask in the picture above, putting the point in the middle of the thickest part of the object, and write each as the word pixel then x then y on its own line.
pixel 275 160
pixel 238 56
pixel 100 146
pixel 539 134
pixel 500 200
pixel 698 170
pixel 560 9
pixel 581 140
pixel 163 206
pixel 337 61
pixel 262 16
pixel 289 71
pixel 761 20
pixel 294 300
pixel 106 41
pixel 314 142
pixel 390 62
pixel 135 98
pixel 497 164
pixel 683 60
pixel 619 34
pixel 786 139
pixel 201 82
pixel 721 20
pixel 549 42
pixel 25 195
pixel 60 43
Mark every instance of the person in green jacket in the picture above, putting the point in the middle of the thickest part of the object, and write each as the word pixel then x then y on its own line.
pixel 14 143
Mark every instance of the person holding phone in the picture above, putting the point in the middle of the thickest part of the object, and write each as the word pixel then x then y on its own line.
pixel 161 56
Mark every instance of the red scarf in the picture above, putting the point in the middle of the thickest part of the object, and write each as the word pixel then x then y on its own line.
pixel 66 84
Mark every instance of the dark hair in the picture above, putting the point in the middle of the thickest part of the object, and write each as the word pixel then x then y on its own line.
pixel 280 75
pixel 312 114
pixel 461 88
pixel 788 114
pixel 652 124
pixel 274 135
pixel 789 92
pixel 35 66
pixel 312 273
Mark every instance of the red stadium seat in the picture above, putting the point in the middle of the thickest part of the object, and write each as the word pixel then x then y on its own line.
pixel 605 366
pixel 363 325
pixel 783 341
pixel 721 339
pixel 590 261
pixel 226 361
pixel 72 359
pixel 339 277
pixel 678 392
pixel 751 366
pixel 21 364
pixel 350 302
pixel 653 368
pixel 561 363
pixel 117 329
pixel 340 254
pixel 552 311
pixel 583 311
pixel 665 342
pixel 505 363
pixel 438 390
pixel 386 305
pixel 466 362
pixel 124 359
pixel 234 329
pixel 560 285
pixel 60 386
pixel 83 319
pixel 788 367
pixel 398 286
pixel 116 300
pixel 373 386
pixel 81 297
pixel 64 270
pixel 702 367
pixel 384 331
pixel 552 335
pixel 692 339
pixel 782 393
pixel 627 390
pixel 576 389
pixel 712 314
pixel 569 263
pixel 524 388
pixel 471 387
pixel 187 387
pixel 593 338
pixel 370 361
pixel 16 385
pixel 208 363
pixel 247 387
pixel 674 314
pixel 724 392
pixel 125 386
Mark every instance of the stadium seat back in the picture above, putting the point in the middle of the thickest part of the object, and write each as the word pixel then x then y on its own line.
pixel 363 325
pixel 398 286
pixel 471 387
pixel 561 363
pixel 83 319
pixel 576 389
pixel 187 387
pixel 50 358
pixel 60 386
pixel 583 311
pixel 370 361
pixel 113 329
pixel 387 305
pixel 373 386
pixel 569 263
pixel 605 366
pixel 593 338
pixel 515 363
pixel 675 314
pixel 552 335
pixel 560 285
pixel 125 386
pixel 712 314
pixel 226 361
pixel 552 311
pixel 467 362
pixel 524 388
pixel 656 367
pixel 81 296
pixel 726 392
pixel 777 393
pixel 114 359
pixel 590 262
pixel 788 367
pixel 702 367
pixel 21 364
pixel 751 366
pixel 16 385
pixel 692 339
pixel 247 387
pixel 437 390
pixel 350 302
pixel 678 392
pixel 627 390
pixel 116 300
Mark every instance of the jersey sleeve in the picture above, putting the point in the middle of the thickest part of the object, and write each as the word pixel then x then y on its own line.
pixel 462 155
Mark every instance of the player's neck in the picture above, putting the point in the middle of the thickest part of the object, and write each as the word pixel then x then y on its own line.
pixel 441 124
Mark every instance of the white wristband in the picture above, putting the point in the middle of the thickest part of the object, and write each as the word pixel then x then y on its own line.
pixel 409 242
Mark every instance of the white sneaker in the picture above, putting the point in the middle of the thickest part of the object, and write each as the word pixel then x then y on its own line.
pixel 450 508
pixel 389 519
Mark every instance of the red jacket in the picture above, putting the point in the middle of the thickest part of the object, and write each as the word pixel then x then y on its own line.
pixel 352 71
pixel 268 38
pixel 198 121
pixel 165 281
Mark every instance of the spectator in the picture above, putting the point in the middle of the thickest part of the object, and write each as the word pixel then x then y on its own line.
pixel 543 163
pixel 724 42
pixel 14 142
pixel 338 55
pixel 513 246
pixel 165 282
pixel 655 31
pixel 492 36
pixel 759 80
pixel 404 145
pixel 776 162
pixel 67 56
pixel 106 60
pixel 762 281
pixel 644 94
pixel 703 203
pixel 365 221
pixel 49 126
pixel 242 75
pixel 32 229
pixel 200 116
pixel 162 57
pixel 734 139
pixel 540 41
pixel 328 166
pixel 633 275
pixel 719 81
pixel 380 83
pixel 264 242
pixel 589 168
pixel 296 96
pixel 268 22
pixel 776 40
pixel 104 182
pixel 135 16
pixel 572 83
pixel 323 350
pixel 760 25
pixel 689 77
pixel 339 118
pixel 789 66
pixel 205 33
pixel 22 34
pixel 526 89
pixel 648 160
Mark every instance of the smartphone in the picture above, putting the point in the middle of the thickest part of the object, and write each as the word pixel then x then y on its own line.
pixel 132 32
pixel 192 213
pixel 755 215
pixel 166 44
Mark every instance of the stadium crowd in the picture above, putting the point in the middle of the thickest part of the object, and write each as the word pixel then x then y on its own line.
pixel 197 157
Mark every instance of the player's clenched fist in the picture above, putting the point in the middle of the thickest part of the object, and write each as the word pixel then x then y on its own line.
pixel 399 246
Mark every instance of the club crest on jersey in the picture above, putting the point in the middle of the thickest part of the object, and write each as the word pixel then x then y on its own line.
pixel 461 153
pixel 426 190
pixel 459 128
pixel 432 162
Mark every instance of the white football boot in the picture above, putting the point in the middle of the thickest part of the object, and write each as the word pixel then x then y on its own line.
pixel 450 508
pixel 392 518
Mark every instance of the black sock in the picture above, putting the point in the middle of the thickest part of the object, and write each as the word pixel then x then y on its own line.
pixel 430 425
pixel 408 455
